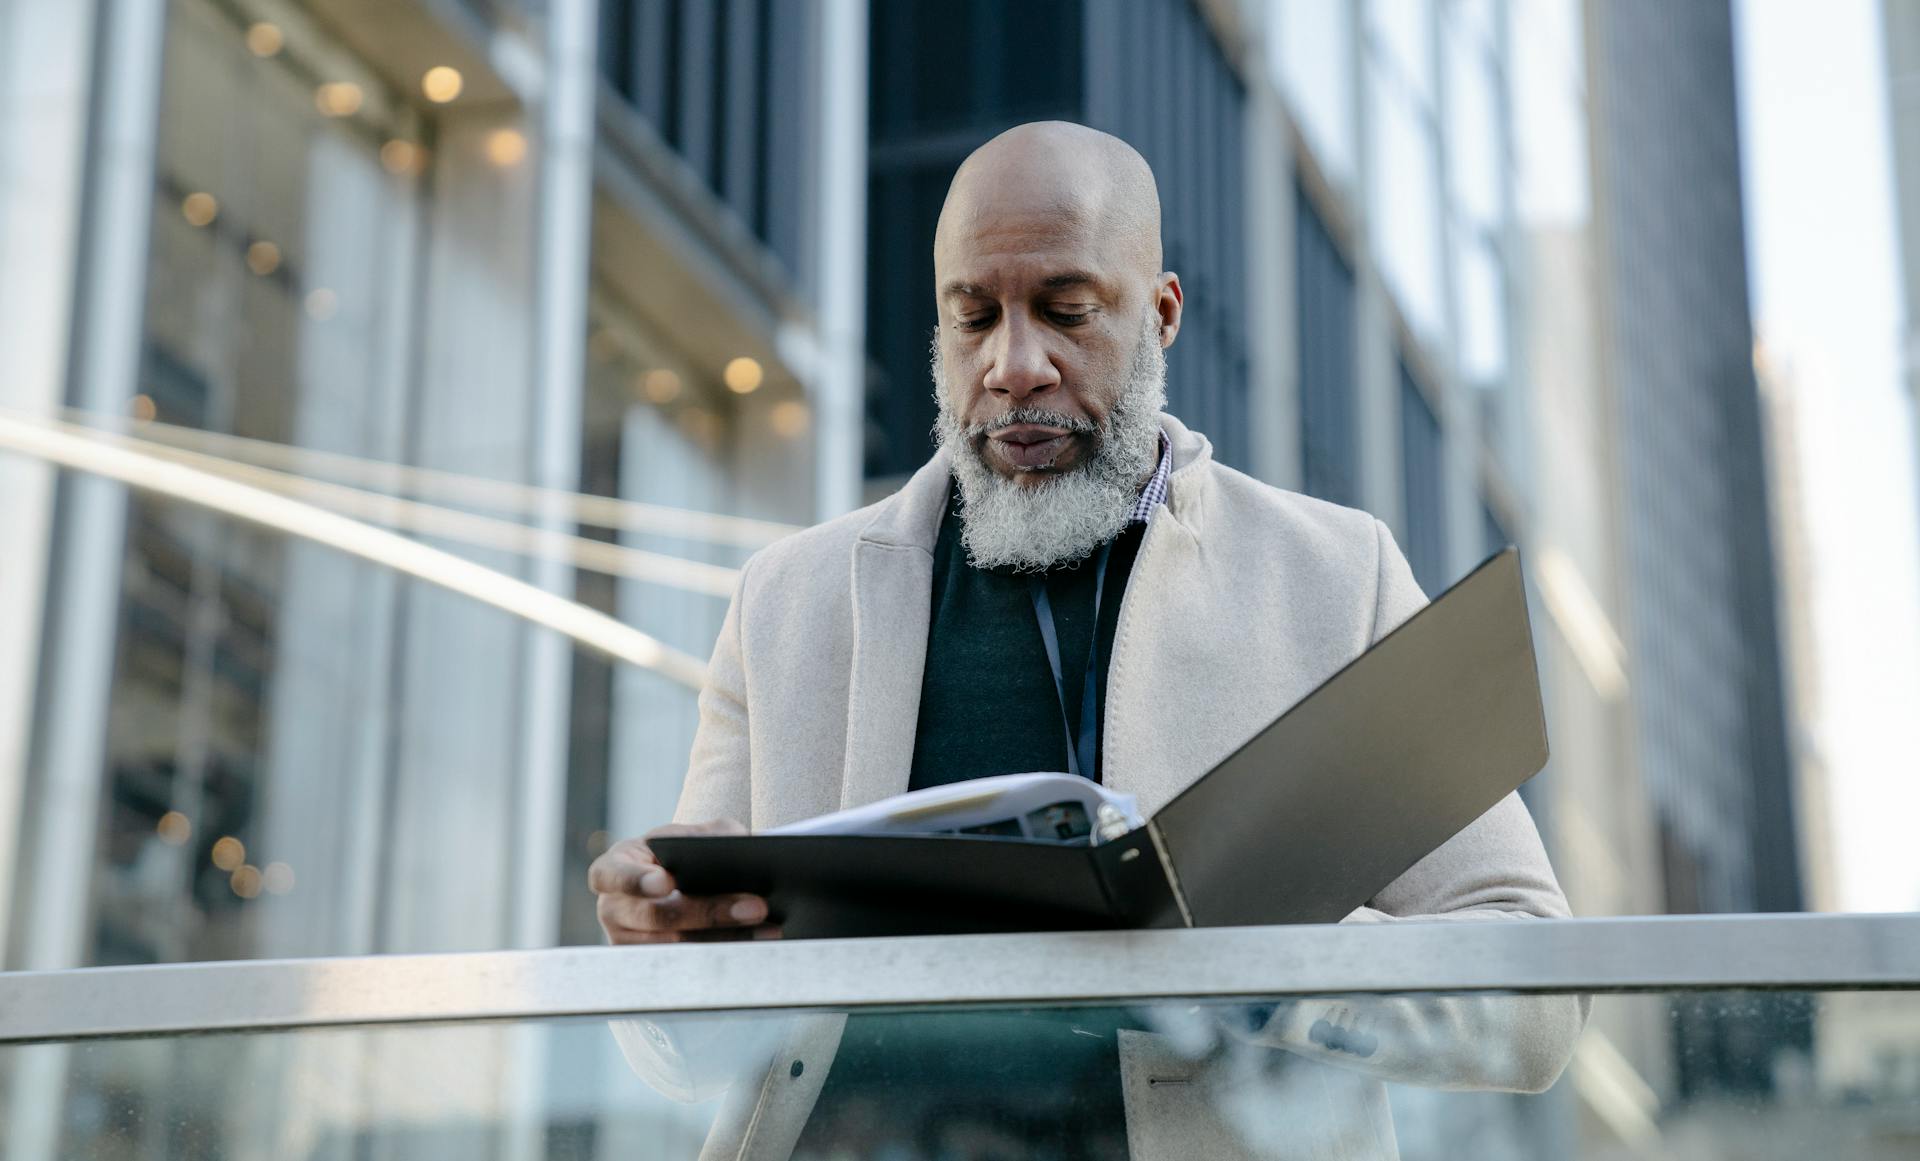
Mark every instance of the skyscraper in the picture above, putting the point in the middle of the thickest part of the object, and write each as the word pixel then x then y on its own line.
pixel 1902 24
pixel 1676 343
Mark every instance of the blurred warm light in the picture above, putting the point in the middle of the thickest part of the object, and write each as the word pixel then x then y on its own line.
pixel 743 375
pixel 199 208
pixel 173 828
pixel 598 841
pixel 660 385
pixel 263 258
pixel 506 147
pixel 789 418
pixel 141 408
pixel 338 98
pixel 402 158
pixel 246 882
pixel 442 83
pixel 229 853
pixel 321 304
pixel 277 878
pixel 264 39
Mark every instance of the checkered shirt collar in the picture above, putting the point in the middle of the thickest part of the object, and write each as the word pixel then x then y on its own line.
pixel 1155 493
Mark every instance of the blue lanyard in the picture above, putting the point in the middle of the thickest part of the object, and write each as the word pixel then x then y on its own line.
pixel 1083 745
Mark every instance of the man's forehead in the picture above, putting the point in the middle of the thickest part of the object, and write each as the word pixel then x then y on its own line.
pixel 1023 273
pixel 1019 252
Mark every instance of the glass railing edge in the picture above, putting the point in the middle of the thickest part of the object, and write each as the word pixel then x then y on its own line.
pixel 1678 953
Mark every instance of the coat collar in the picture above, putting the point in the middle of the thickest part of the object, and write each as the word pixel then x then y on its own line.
pixel 1192 453
pixel 892 586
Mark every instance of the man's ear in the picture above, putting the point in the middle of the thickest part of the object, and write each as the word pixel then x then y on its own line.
pixel 1169 300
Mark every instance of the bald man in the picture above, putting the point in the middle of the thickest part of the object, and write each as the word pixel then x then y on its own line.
pixel 1071 583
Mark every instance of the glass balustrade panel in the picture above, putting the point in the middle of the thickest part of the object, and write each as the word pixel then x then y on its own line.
pixel 1748 1074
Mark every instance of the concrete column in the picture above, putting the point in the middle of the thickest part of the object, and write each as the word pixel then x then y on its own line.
pixel 1376 374
pixel 46 58
pixel 840 395
pixel 1273 324
pixel 110 282
pixel 447 880
pixel 332 703
pixel 562 230
pixel 562 238
pixel 1458 402
pixel 108 334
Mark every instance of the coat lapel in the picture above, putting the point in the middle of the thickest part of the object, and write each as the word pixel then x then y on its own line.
pixel 892 589
pixel 1137 712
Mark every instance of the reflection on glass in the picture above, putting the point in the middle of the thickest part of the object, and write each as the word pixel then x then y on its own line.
pixel 272 261
pixel 1751 1075
pixel 659 430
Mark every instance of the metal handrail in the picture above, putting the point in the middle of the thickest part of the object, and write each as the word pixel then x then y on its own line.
pixel 1679 953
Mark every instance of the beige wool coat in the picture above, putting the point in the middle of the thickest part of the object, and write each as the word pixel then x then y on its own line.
pixel 1242 599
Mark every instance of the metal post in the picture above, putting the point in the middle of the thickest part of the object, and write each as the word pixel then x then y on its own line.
pixel 45 68
pixel 842 224
pixel 563 209
pixel 81 628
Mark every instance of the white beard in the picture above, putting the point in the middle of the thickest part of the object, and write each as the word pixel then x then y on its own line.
pixel 1032 527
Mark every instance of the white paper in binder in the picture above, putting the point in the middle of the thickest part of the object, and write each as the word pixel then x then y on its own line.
pixel 1044 806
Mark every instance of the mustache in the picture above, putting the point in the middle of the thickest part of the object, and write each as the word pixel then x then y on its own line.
pixel 1039 416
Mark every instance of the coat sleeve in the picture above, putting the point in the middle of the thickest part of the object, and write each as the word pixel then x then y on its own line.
pixel 719 770
pixel 694 1059
pixel 1495 870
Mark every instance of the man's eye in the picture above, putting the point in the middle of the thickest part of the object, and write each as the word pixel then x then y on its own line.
pixel 977 323
pixel 1067 318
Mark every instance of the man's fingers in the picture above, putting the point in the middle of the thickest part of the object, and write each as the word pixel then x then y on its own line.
pixel 626 936
pixel 629 868
pixel 679 912
pixel 623 870
pixel 711 826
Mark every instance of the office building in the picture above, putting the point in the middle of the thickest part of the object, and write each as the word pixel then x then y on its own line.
pixel 652 279
pixel 335 238
pixel 1677 345
pixel 1901 21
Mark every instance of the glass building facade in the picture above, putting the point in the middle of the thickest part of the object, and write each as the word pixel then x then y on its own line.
pixel 1149 71
pixel 646 285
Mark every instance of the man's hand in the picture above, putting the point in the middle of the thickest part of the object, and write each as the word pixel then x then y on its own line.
pixel 639 903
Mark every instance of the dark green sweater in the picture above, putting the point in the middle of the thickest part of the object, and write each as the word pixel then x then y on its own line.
pixel 988 705
pixel 987 699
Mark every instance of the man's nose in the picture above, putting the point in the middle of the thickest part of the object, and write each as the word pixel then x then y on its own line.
pixel 1021 366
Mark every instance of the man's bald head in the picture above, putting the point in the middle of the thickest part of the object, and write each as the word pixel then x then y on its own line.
pixel 1053 315
pixel 1084 181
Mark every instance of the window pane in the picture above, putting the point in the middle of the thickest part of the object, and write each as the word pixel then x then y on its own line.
pixel 1473 129
pixel 1423 480
pixel 1311 46
pixel 1405 205
pixel 1402 35
pixel 1482 304
pixel 1549 111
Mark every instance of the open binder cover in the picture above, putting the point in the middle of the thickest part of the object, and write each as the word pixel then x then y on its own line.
pixel 1387 759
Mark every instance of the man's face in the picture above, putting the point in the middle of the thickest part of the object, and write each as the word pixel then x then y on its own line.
pixel 1034 317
